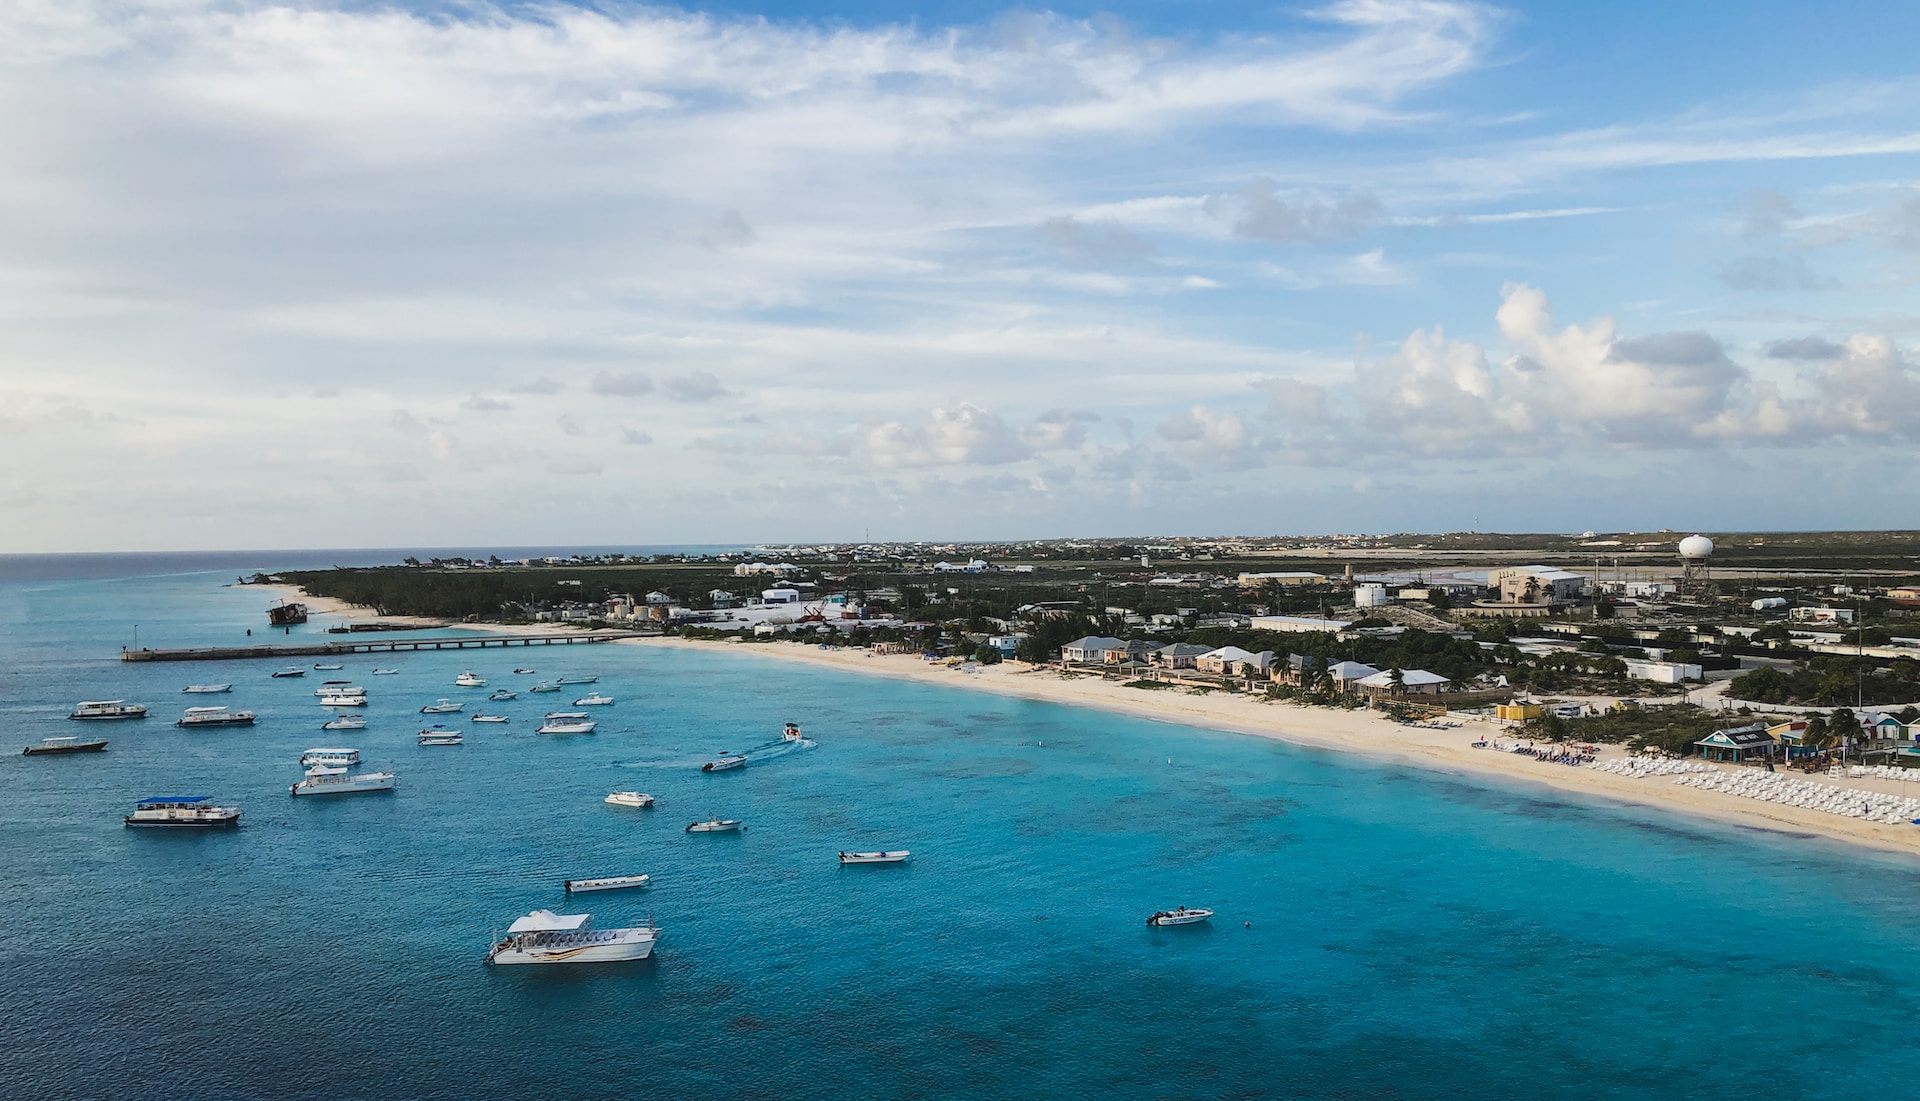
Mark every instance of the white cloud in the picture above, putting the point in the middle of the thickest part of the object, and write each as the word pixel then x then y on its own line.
pixel 631 384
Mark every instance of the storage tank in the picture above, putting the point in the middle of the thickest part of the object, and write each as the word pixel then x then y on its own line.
pixel 1769 603
pixel 1369 596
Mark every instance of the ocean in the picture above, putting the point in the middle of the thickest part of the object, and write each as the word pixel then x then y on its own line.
pixel 1382 931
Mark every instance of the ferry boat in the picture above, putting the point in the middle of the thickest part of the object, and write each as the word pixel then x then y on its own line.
pixel 717 825
pixel 726 763
pixel 215 716
pixel 489 718
pixel 287 615
pixel 329 666
pixel 888 856
pixel 627 799
pixel 1179 915
pixel 345 700
pixel 290 673
pixel 595 700
pixel 606 883
pixel 65 743
pixel 182 811
pixel 339 688
pixel 440 735
pixel 207 689
pixel 330 755
pixel 546 937
pixel 443 707
pixel 501 694
pixel 577 680
pixel 791 734
pixel 109 709
pixel 345 722
pixel 385 672
pixel 544 686
pixel 339 780
pixel 470 680
pixel 567 722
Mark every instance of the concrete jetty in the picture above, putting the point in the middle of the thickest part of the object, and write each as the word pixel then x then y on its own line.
pixel 377 646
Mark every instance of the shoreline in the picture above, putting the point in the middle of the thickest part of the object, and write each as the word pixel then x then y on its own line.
pixel 1363 732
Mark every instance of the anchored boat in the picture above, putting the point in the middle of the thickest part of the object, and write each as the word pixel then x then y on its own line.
pixel 567 722
pixel 443 707
pixel 291 673
pixel 546 937
pixel 1179 915
pixel 888 856
pixel 631 799
pixel 65 743
pixel 182 811
pixel 340 780
pixel 716 825
pixel 606 883
pixel 500 694
pixel 214 716
pixel 470 680
pixel 440 735
pixel 109 709
pixel 345 722
pixel 207 689
pixel 329 755
pixel 595 700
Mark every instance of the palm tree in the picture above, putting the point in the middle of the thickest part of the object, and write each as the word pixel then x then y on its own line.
pixel 1398 680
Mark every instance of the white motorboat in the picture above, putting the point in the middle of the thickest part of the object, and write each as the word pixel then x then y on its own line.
pixel 606 883
pixel 339 688
pixel 595 700
pixel 385 672
pixel 339 780
pixel 501 694
pixel 523 672
pixel 330 755
pixel 1179 915
pixel 631 799
pixel 544 686
pixel 344 701
pixel 489 718
pixel 207 689
pixel 214 716
pixel 791 734
pixel 577 680
pixel 345 722
pixel 546 937
pixel 443 706
pixel 888 856
pixel 440 735
pixel 109 709
pixel 65 743
pixel 182 811
pixel 567 722
pixel 290 672
pixel 726 763
pixel 470 680
pixel 328 666
pixel 717 825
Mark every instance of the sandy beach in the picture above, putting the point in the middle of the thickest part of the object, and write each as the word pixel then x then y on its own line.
pixel 1445 750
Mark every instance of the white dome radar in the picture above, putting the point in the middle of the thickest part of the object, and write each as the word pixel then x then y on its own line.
pixel 1696 547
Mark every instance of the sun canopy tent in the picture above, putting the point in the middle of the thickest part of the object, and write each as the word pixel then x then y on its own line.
pixel 546 921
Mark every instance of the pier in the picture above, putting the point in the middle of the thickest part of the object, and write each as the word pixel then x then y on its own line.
pixel 378 646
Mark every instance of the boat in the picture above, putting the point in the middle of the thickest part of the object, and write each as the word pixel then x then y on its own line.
pixel 470 680
pixel 595 700
pixel 290 673
pixel 214 716
pixel 717 825
pixel 631 799
pixel 287 615
pixel 501 694
pixel 440 735
pixel 207 689
pixel 489 718
pixel 65 743
pixel 343 701
pixel 727 762
pixel 385 672
pixel 109 709
pixel 888 856
pixel 543 686
pixel 577 680
pixel 327 755
pixel 1179 916
pixel 443 707
pixel 546 937
pixel 182 811
pixel 328 667
pixel 791 734
pixel 567 722
pixel 339 688
pixel 606 883
pixel 340 780
pixel 345 722
pixel 522 672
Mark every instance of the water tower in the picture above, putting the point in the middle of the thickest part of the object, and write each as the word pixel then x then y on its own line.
pixel 1696 579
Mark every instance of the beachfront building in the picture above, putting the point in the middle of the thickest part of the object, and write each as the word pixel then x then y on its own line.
pixel 1752 742
pixel 1132 651
pixel 1347 675
pixel 1413 682
pixel 1177 655
pixel 1006 645
pixel 1091 650
pixel 1233 661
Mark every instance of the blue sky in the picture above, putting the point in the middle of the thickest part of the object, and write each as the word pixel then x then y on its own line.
pixel 350 274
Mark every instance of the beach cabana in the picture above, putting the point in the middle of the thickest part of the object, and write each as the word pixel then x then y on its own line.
pixel 1737 744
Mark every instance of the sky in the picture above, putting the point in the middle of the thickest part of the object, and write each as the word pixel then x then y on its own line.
pixel 356 274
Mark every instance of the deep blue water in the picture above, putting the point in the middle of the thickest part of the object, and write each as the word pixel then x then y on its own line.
pixel 1412 935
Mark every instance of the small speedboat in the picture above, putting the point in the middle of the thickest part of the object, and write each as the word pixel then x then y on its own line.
pixel 544 686
pixel 725 763
pixel 716 825
pixel 523 672
pixel 887 856
pixel 567 722
pixel 791 734
pixel 207 689
pixel 345 722
pixel 328 667
pixel 1179 915
pixel 500 694
pixel 595 700
pixel 470 680
pixel 440 735
pixel 291 673
pixel 631 799
pixel 489 718
pixel 385 672
pixel 577 680
pixel 69 743
pixel 606 883
pixel 443 707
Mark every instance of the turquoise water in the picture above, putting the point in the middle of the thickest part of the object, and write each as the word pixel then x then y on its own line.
pixel 1411 935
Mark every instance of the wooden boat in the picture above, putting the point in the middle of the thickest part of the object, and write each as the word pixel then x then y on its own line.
pixel 65 743
pixel 631 799
pixel 889 856
pixel 727 762
pixel 717 825
pixel 606 883
pixel 1180 915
